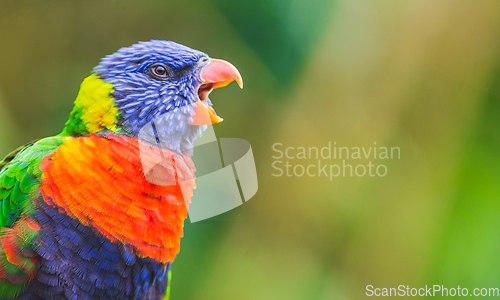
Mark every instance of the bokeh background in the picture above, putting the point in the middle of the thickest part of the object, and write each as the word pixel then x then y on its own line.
pixel 422 75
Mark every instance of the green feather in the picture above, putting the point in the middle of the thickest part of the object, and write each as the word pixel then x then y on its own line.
pixel 18 166
pixel 9 290
pixel 8 182
pixel 4 193
pixel 6 209
pixel 167 293
pixel 16 193
pixel 20 175
pixel 27 182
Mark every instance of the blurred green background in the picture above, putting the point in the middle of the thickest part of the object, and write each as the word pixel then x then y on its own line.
pixel 422 75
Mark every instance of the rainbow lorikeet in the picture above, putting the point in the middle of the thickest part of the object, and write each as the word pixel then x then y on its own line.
pixel 97 212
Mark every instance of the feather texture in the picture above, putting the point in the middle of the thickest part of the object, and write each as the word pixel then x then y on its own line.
pixel 100 181
pixel 97 212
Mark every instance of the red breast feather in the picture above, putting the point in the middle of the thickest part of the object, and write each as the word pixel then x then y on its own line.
pixel 100 181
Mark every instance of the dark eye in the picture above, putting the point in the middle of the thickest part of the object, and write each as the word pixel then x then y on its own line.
pixel 160 71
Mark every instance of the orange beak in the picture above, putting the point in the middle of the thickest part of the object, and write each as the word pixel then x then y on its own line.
pixel 221 73
pixel 218 73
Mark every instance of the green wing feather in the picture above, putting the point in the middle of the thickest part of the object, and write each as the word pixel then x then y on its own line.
pixel 20 177
pixel 13 154
pixel 19 181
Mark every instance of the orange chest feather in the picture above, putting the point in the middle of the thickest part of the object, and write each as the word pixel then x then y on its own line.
pixel 129 191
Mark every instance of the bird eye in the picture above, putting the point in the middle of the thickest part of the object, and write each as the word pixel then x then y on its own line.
pixel 160 70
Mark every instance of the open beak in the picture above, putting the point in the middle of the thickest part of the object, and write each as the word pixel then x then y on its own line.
pixel 218 73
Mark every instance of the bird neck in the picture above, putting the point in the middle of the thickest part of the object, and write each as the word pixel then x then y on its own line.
pixel 94 109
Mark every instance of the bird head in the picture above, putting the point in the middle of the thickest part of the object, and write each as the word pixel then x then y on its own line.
pixel 159 85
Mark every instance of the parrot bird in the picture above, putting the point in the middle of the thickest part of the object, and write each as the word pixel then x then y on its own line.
pixel 97 212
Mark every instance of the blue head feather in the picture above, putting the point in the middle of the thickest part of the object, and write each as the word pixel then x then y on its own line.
pixel 142 98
